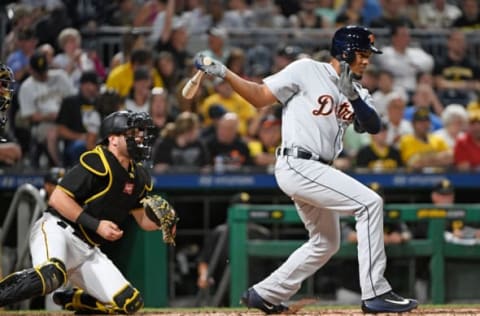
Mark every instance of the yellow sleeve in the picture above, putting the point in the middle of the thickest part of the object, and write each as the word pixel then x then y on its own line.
pixel 255 148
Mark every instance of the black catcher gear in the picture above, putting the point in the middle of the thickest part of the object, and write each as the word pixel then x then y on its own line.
pixel 32 282
pixel 118 123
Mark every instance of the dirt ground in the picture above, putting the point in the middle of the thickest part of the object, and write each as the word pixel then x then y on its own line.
pixel 426 311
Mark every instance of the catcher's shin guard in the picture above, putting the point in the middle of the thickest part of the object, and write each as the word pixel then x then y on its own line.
pixel 32 282
pixel 128 300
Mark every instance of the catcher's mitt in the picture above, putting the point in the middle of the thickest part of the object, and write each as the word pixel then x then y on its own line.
pixel 162 213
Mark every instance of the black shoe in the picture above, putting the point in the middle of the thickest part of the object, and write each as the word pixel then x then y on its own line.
pixel 64 298
pixel 251 299
pixel 389 302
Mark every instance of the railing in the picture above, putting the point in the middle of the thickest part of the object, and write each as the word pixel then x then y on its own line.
pixel 433 247
pixel 107 39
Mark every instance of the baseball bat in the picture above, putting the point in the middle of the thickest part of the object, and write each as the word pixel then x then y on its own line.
pixel 191 87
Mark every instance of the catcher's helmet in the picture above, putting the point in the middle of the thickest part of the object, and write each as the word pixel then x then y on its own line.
pixel 349 39
pixel 120 122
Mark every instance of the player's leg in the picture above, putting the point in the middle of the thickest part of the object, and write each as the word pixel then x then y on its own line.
pixel 324 240
pixel 102 289
pixel 332 190
pixel 48 250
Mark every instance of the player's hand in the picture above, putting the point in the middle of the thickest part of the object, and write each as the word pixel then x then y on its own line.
pixel 109 230
pixel 212 67
pixel 346 83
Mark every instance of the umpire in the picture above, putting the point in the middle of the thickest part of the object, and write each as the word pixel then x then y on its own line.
pixel 85 210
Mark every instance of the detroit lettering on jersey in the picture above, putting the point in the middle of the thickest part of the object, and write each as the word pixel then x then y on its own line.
pixel 344 111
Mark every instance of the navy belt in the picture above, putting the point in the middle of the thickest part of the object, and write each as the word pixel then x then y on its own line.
pixel 300 153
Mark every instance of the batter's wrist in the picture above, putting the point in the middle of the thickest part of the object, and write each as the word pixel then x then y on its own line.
pixel 88 221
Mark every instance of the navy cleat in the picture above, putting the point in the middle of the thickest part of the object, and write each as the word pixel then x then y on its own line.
pixel 251 299
pixel 389 302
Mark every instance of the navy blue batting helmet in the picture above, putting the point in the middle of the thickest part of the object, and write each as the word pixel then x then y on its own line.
pixel 349 39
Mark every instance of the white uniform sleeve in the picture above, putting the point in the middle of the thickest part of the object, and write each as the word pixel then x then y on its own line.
pixel 26 100
pixel 285 83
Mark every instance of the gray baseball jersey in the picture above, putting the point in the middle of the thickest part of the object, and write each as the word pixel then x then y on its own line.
pixel 315 115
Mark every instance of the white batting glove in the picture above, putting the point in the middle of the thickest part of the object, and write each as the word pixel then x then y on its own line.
pixel 346 83
pixel 210 66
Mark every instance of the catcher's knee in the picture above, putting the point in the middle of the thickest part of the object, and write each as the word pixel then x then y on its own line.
pixel 53 274
pixel 128 300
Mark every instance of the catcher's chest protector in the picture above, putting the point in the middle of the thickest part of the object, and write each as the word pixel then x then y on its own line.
pixel 120 190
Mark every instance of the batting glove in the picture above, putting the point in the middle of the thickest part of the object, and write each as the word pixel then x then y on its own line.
pixel 346 83
pixel 215 68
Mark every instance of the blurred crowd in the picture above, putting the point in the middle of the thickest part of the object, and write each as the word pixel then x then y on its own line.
pixel 430 104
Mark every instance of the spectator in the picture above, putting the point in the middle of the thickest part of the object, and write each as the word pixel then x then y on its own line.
pixel 22 19
pixel 179 147
pixel 219 16
pixel 197 17
pixel 109 101
pixel 385 89
pixel 267 14
pixel 467 146
pixel 237 61
pixel 78 122
pixel 284 56
pixel 455 122
pixel 232 102
pixel 40 96
pixel 49 52
pixel 147 13
pixel 457 75
pixel 350 14
pixel 174 37
pixel 73 59
pixel 159 108
pixel 425 97
pixel 422 149
pixel 166 67
pixel 138 99
pixel 437 14
pixel 397 124
pixel 229 152
pixel 307 16
pixel 394 12
pixel 369 79
pixel 458 232
pixel 121 78
pixel 379 156
pixel 403 59
pixel 130 41
pixel 125 13
pixel 215 113
pixel 18 61
pixel 239 10
pixel 262 148
pixel 217 45
pixel 470 18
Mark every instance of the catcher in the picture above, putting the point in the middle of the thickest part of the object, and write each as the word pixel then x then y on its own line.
pixel 85 210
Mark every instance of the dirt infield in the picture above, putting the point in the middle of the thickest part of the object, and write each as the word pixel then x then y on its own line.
pixel 425 311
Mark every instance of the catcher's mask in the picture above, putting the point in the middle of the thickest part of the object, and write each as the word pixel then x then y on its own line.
pixel 6 81
pixel 349 39
pixel 131 125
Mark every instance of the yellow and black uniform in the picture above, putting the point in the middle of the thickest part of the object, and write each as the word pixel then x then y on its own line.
pixel 105 189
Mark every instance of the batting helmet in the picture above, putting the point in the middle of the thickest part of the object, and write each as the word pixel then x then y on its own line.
pixel 349 39
pixel 119 122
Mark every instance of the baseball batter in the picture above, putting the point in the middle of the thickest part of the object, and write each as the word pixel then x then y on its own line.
pixel 85 210
pixel 319 101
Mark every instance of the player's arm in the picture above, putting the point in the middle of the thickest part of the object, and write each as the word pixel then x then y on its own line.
pixel 62 201
pixel 257 94
pixel 142 219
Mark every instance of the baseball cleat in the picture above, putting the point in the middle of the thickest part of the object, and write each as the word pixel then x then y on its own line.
pixel 389 302
pixel 251 299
